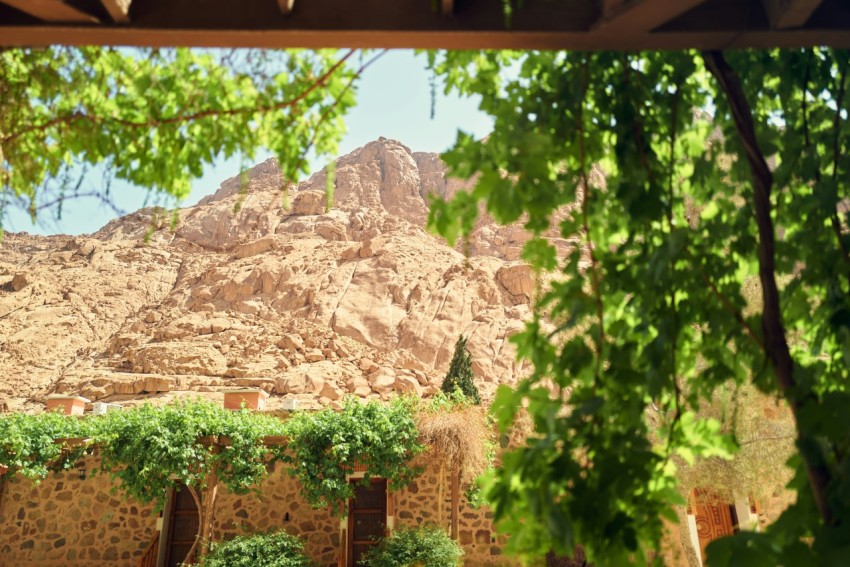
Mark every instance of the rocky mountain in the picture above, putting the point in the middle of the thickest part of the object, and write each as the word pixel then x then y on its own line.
pixel 246 291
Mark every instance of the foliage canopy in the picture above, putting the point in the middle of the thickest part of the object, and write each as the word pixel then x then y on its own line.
pixel 696 175
pixel 326 446
pixel 151 449
pixel 154 117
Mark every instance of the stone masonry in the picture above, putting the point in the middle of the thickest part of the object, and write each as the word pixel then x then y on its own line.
pixel 68 521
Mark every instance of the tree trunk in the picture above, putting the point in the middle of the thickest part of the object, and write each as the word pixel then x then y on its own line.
pixel 776 345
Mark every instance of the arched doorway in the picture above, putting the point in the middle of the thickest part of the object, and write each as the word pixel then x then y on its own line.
pixel 182 527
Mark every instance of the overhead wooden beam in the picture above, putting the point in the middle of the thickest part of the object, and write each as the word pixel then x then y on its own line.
pixel 119 10
pixel 473 24
pixel 640 16
pixel 785 14
pixel 429 39
pixel 52 11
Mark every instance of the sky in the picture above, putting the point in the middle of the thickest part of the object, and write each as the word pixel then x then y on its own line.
pixel 394 101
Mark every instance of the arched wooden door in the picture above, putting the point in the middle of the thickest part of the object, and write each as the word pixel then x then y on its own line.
pixel 367 518
pixel 183 525
pixel 714 517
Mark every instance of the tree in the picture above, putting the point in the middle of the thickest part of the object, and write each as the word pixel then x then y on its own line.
pixel 699 178
pixel 155 117
pixel 460 376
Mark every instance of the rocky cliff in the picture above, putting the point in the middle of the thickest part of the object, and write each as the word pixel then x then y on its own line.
pixel 249 290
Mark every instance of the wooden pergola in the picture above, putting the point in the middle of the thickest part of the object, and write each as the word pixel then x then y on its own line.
pixel 450 24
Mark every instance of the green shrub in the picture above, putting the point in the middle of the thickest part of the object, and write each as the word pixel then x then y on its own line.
pixel 427 546
pixel 277 549
pixel 460 375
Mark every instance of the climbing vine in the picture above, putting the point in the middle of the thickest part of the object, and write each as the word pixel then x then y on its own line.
pixel 28 443
pixel 326 446
pixel 149 449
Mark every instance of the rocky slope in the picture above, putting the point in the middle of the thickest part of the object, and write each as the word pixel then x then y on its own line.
pixel 247 292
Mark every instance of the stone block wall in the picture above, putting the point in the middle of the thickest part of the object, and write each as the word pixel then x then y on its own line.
pixel 68 521
pixel 278 506
pixel 428 501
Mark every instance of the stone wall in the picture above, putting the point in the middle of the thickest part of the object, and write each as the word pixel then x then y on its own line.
pixel 428 501
pixel 278 506
pixel 68 521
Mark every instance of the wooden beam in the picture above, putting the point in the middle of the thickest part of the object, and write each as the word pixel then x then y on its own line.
pixel 119 10
pixel 400 39
pixel 52 11
pixel 785 14
pixel 640 16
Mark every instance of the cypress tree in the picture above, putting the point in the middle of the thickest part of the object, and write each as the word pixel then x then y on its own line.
pixel 460 375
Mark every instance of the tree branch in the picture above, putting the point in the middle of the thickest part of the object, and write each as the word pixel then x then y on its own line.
pixel 677 391
pixel 836 154
pixel 776 345
pixel 325 114
pixel 585 194
pixel 736 313
pixel 77 116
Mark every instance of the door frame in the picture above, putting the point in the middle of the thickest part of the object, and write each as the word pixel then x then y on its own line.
pixel 347 523
pixel 167 518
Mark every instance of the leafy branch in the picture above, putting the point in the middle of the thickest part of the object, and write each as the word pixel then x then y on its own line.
pixel 208 113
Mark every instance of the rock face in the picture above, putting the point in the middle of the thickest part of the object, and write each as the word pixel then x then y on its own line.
pixel 358 300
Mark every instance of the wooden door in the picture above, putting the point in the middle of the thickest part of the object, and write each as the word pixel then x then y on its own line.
pixel 714 518
pixel 367 518
pixel 183 525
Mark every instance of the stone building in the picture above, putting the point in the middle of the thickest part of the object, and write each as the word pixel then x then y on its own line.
pixel 76 518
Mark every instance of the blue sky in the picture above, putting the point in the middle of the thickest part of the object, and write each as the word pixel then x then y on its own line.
pixel 394 101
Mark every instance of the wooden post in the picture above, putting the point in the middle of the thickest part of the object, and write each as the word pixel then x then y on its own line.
pixel 166 525
pixel 441 499
pixel 455 501
pixel 343 536
pixel 208 506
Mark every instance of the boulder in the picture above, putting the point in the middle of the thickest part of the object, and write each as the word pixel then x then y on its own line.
pixel 314 355
pixel 292 341
pixel 407 385
pixel 382 380
pixel 308 203
pixel 518 280
pixel 18 282
pixel 330 391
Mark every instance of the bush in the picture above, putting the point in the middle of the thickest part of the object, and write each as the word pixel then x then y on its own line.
pixel 277 549
pixel 460 375
pixel 424 546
